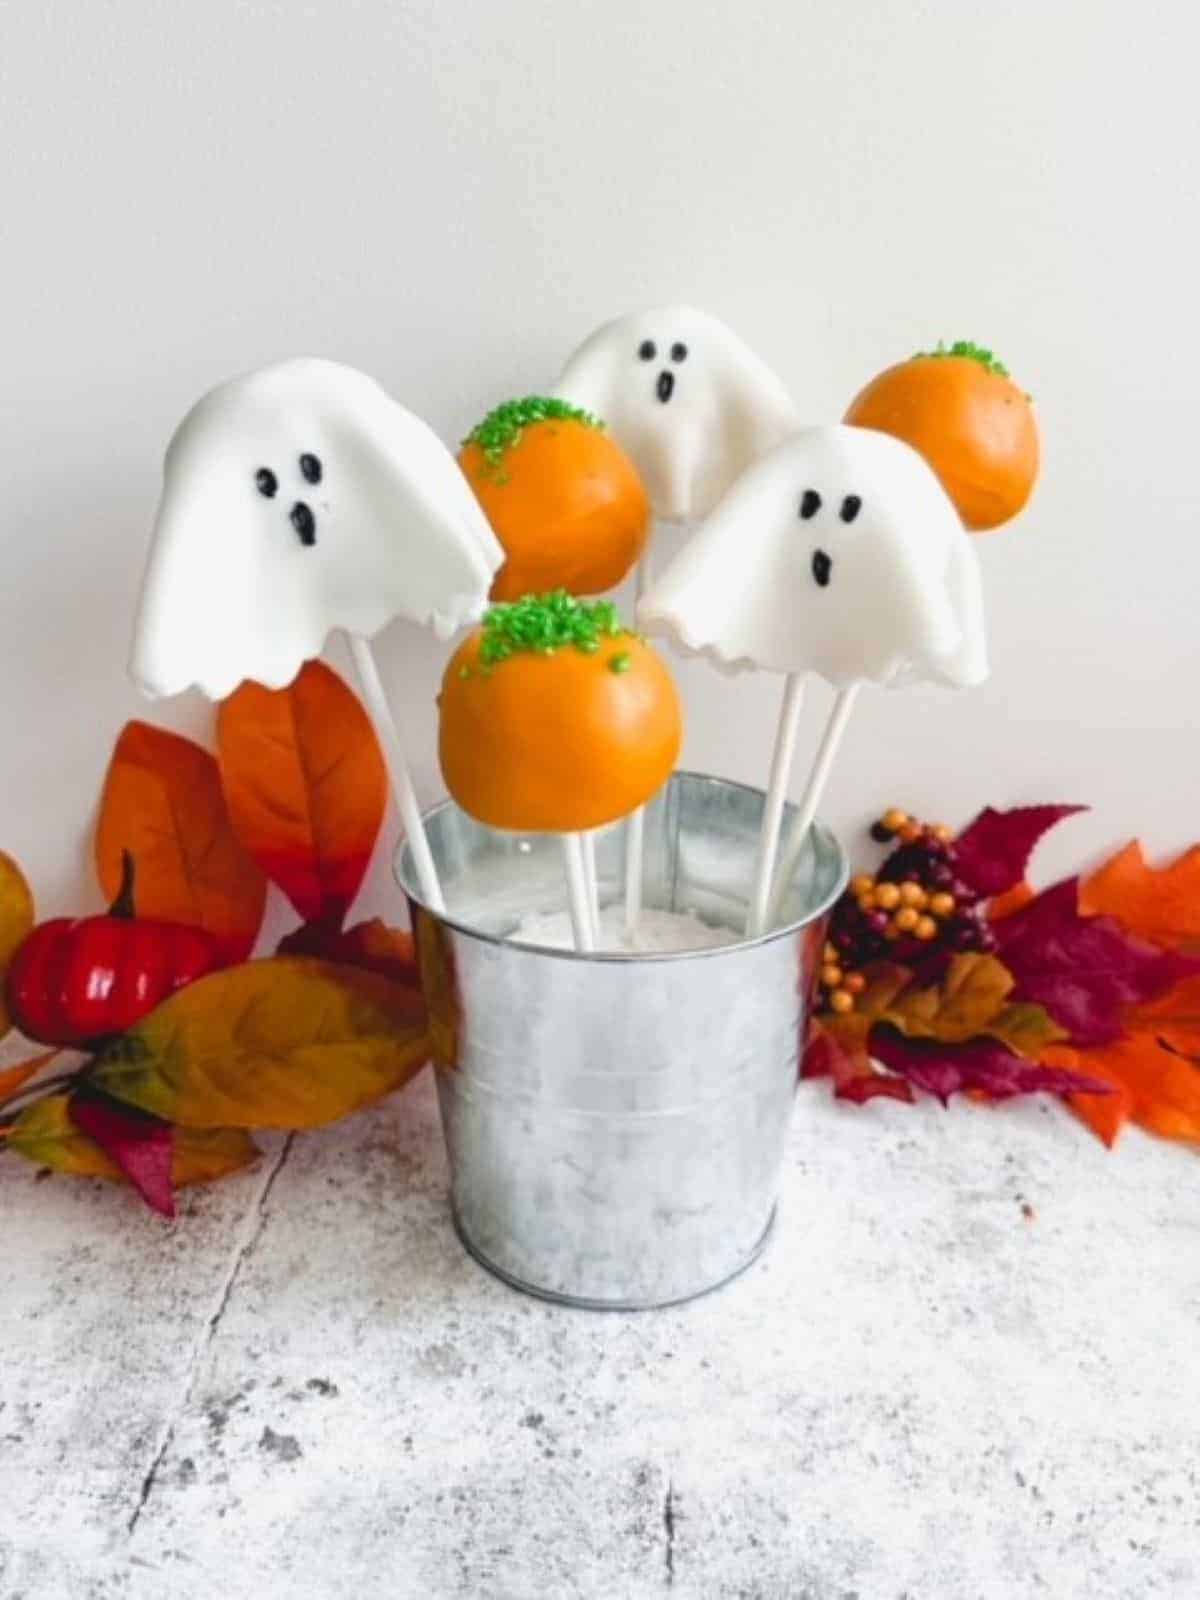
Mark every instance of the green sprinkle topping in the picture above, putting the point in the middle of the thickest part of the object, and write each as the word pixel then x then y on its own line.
pixel 971 351
pixel 502 428
pixel 621 663
pixel 540 624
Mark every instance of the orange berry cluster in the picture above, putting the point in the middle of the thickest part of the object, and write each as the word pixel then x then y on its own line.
pixel 897 824
pixel 840 987
pixel 913 906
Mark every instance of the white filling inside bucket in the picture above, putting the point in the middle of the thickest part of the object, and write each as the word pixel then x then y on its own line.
pixel 657 931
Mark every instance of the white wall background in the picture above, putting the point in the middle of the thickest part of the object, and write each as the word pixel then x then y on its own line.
pixel 450 194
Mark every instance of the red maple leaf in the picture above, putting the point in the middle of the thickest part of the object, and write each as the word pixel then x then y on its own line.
pixel 1084 970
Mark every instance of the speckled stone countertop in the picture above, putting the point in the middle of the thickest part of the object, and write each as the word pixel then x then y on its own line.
pixel 967 1367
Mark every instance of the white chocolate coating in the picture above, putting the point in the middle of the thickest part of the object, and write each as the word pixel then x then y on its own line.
pixel 790 574
pixel 369 519
pixel 692 416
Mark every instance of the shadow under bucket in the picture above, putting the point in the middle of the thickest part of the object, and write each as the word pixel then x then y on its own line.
pixel 616 1122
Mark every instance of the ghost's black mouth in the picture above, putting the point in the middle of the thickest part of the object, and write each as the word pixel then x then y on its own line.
pixel 822 568
pixel 304 523
pixel 665 387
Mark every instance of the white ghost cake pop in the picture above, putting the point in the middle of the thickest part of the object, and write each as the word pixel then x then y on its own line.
pixel 693 407
pixel 298 499
pixel 685 398
pixel 839 554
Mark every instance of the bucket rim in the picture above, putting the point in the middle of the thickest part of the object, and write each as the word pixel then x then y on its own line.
pixel 406 878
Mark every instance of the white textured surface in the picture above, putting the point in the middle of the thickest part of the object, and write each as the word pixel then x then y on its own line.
pixel 305 1387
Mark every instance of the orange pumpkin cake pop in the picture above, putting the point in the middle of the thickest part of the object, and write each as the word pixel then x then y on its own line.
pixel 563 498
pixel 959 408
pixel 556 718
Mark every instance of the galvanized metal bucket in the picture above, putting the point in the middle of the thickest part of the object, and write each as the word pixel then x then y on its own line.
pixel 615 1123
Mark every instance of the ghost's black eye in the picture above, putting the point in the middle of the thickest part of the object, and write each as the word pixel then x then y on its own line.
pixel 266 482
pixel 851 506
pixel 310 466
pixel 679 352
pixel 810 504
pixel 647 350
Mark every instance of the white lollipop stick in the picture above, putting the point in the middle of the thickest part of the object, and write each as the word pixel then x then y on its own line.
pixel 577 891
pixel 402 784
pixel 635 825
pixel 635 851
pixel 781 768
pixel 843 705
pixel 593 883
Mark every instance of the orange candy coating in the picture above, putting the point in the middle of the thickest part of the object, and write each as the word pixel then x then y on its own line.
pixel 974 426
pixel 560 742
pixel 562 497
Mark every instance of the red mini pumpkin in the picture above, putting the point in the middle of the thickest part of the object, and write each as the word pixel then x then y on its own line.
pixel 75 981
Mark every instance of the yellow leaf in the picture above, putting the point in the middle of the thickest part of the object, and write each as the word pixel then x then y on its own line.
pixel 969 1001
pixel 45 1135
pixel 884 983
pixel 1026 1028
pixel 16 919
pixel 283 1043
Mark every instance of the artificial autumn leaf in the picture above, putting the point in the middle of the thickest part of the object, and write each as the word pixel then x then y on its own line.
pixel 45 1134
pixel 163 803
pixel 1162 904
pixel 306 786
pixel 991 855
pixel 143 1147
pixel 282 1043
pixel 837 1048
pixel 1161 1089
pixel 14 1078
pixel 982 1064
pixel 16 919
pixel 1083 970
pixel 1003 905
pixel 373 946
pixel 1174 1018
pixel 1104 1114
pixel 969 1001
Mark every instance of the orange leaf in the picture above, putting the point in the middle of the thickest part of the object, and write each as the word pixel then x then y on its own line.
pixel 283 1043
pixel 1161 1089
pixel 1173 1017
pixel 1161 904
pixel 12 1078
pixel 163 802
pixel 1003 905
pixel 44 1133
pixel 306 786
pixel 1105 1114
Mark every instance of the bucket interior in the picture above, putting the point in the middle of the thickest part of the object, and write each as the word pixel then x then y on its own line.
pixel 701 839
